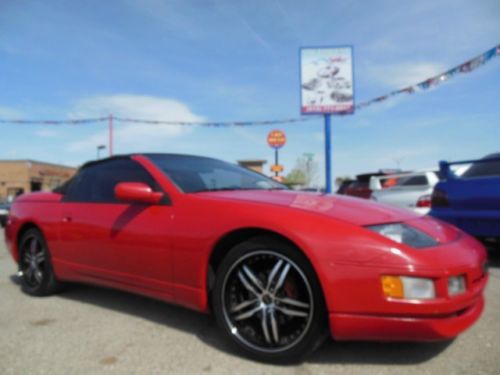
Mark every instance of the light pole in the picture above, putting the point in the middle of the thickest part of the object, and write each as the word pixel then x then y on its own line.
pixel 99 148
pixel 398 162
pixel 309 158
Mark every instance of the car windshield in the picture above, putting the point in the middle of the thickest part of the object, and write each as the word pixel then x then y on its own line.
pixel 193 174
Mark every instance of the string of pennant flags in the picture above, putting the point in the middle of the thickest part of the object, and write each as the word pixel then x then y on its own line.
pixel 155 122
pixel 56 122
pixel 465 67
pixel 216 124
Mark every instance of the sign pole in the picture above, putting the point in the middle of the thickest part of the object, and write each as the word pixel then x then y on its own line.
pixel 110 126
pixel 276 160
pixel 276 139
pixel 328 171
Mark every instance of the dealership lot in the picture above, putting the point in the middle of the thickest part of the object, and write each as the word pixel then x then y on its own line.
pixel 93 330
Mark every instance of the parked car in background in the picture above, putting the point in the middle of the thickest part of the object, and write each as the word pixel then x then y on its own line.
pixel 471 201
pixel 361 186
pixel 409 190
pixel 4 213
pixel 343 186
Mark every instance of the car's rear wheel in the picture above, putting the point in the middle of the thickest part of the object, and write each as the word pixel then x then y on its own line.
pixel 35 267
pixel 268 300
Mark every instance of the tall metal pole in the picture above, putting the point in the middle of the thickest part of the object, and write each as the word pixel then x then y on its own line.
pixel 328 140
pixel 110 126
pixel 276 160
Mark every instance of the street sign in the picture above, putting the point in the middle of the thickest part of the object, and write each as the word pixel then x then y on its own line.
pixel 277 168
pixel 276 139
pixel 326 80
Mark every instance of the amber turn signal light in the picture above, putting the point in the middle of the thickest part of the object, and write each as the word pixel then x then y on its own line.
pixel 392 286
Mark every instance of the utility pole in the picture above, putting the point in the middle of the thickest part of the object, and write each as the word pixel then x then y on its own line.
pixel 110 127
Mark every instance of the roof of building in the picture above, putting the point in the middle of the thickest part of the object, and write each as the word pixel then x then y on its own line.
pixel 35 162
pixel 253 161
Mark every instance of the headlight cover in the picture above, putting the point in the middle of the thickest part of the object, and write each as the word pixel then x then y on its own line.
pixel 404 234
pixel 407 287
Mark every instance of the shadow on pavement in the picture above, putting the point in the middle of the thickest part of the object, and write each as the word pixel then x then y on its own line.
pixel 377 352
pixel 494 257
pixel 204 328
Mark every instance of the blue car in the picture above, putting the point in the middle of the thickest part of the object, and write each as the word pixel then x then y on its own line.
pixel 471 201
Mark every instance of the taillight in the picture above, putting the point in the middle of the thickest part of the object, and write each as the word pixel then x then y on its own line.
pixel 439 198
pixel 424 201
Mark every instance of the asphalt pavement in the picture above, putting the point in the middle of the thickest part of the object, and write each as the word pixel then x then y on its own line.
pixel 90 330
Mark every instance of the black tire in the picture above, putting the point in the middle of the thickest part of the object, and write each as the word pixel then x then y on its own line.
pixel 276 331
pixel 35 266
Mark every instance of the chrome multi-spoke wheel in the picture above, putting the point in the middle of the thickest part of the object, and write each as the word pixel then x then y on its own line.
pixel 268 300
pixel 32 262
pixel 35 268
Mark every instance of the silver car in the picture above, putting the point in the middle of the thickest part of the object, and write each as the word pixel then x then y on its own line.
pixel 410 190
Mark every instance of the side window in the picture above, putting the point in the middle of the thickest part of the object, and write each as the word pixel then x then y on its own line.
pixel 414 181
pixel 96 183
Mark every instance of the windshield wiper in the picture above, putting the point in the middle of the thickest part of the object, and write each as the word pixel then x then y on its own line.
pixel 238 188
pixel 222 189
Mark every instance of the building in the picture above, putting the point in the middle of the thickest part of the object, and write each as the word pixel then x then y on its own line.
pixel 253 164
pixel 25 176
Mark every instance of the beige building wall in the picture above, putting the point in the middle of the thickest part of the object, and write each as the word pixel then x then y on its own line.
pixel 256 165
pixel 25 176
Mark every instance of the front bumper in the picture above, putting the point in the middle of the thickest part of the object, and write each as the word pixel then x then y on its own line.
pixel 359 310
pixel 391 328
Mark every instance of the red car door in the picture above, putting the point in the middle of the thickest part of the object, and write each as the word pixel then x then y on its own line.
pixel 116 242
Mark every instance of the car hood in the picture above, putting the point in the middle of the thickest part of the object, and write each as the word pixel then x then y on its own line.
pixel 353 210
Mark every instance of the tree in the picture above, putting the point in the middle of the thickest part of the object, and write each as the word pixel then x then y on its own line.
pixel 304 172
pixel 295 178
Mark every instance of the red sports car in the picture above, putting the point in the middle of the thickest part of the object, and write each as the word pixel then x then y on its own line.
pixel 279 269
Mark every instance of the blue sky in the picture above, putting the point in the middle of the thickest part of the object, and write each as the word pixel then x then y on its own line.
pixel 238 60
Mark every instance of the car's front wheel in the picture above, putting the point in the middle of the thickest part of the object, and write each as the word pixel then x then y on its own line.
pixel 268 300
pixel 35 267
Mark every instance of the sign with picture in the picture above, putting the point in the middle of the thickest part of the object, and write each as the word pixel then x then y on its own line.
pixel 326 80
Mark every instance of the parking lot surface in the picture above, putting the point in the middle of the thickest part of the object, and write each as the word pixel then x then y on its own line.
pixel 90 330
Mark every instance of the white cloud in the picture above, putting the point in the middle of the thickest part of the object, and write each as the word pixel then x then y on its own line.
pixel 47 133
pixel 130 135
pixel 397 76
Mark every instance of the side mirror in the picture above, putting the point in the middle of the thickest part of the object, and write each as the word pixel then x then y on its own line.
pixel 137 192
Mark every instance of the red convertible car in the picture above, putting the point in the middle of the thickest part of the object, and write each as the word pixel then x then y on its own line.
pixel 279 269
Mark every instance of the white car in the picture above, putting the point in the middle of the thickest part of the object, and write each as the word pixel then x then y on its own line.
pixel 409 190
